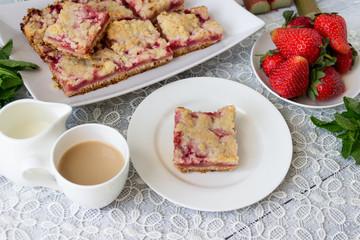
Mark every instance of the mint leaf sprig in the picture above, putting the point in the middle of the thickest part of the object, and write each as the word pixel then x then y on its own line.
pixel 10 78
pixel 347 127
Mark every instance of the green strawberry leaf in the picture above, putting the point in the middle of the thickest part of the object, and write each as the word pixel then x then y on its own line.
pixel 353 55
pixel 315 75
pixel 288 16
pixel 319 75
pixel 310 93
pixel 269 53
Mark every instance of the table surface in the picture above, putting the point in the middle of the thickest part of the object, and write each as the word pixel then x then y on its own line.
pixel 318 199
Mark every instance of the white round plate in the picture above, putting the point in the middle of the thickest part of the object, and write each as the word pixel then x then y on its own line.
pixel 351 79
pixel 265 146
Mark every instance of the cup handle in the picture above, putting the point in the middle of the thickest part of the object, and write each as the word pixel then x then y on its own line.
pixel 35 171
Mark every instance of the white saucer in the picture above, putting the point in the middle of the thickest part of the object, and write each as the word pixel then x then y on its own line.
pixel 265 145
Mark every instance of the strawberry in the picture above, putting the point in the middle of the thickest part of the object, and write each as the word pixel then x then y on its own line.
pixel 301 21
pixel 291 78
pixel 345 61
pixel 304 42
pixel 329 85
pixel 293 20
pixel 333 27
pixel 270 60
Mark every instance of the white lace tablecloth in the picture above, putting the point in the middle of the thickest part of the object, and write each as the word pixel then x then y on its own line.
pixel 318 199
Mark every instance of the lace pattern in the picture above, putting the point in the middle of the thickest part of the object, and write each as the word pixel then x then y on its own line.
pixel 318 199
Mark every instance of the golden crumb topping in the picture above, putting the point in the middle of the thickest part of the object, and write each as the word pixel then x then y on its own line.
pixel 116 10
pixel 35 24
pixel 104 62
pixel 77 26
pixel 184 27
pixel 148 9
pixel 206 137
pixel 136 40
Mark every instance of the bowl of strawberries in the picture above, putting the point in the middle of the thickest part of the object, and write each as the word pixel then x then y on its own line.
pixel 308 61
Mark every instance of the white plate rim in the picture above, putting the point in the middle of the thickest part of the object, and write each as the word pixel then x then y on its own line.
pixel 247 22
pixel 158 176
pixel 264 43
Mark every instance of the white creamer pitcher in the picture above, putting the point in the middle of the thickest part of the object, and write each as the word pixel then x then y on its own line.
pixel 28 130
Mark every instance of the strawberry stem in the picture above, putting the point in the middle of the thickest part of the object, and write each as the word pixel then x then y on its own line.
pixel 306 7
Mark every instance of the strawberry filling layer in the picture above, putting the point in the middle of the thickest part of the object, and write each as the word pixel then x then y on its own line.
pixel 205 164
pixel 176 45
pixel 81 82
pixel 175 5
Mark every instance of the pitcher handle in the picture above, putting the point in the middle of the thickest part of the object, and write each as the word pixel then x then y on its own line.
pixel 35 171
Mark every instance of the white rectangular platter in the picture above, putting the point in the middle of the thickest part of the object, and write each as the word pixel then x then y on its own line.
pixel 236 21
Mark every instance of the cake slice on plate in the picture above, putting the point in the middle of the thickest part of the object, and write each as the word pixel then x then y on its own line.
pixel 205 141
pixel 190 30
pixel 147 9
pixel 77 30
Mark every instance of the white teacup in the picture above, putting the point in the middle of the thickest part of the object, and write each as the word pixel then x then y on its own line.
pixel 98 195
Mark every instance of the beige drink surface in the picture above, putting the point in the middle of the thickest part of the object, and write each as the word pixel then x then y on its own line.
pixel 90 163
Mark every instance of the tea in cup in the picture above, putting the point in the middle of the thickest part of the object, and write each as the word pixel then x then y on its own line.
pixel 90 163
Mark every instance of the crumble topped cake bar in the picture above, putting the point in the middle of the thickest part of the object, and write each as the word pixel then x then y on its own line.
pixel 36 22
pixel 130 52
pixel 78 76
pixel 134 46
pixel 149 9
pixel 190 30
pixel 138 44
pixel 128 47
pixel 205 141
pixel 77 30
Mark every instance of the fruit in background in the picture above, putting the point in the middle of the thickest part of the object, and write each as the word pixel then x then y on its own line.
pixel 301 21
pixel 293 20
pixel 306 7
pixel 257 6
pixel 322 42
pixel 333 27
pixel 275 4
pixel 345 61
pixel 291 78
pixel 329 85
pixel 270 60
pixel 264 6
pixel 303 42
